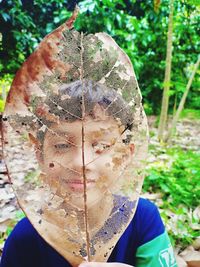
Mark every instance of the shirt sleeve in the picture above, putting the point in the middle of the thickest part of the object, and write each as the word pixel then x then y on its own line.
pixel 154 247
pixel 157 252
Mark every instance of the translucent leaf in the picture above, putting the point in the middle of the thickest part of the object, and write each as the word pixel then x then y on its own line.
pixel 74 115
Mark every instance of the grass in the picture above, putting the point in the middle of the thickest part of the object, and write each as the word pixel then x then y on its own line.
pixel 179 185
pixel 193 114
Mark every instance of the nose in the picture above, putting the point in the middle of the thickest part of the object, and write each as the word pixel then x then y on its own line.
pixel 85 154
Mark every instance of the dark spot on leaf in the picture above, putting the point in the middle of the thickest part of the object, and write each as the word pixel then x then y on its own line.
pixel 51 165
pixel 40 211
pixel 83 252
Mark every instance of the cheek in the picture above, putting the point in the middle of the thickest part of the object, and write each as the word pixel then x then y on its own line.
pixel 56 158
pixel 120 161
pixel 52 165
pixel 104 161
pixel 52 169
pixel 105 165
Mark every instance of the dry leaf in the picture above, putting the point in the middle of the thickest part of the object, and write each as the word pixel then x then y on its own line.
pixel 75 110
pixel 191 256
pixel 180 261
pixel 196 243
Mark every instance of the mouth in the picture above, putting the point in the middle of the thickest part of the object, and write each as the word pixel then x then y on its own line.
pixel 77 185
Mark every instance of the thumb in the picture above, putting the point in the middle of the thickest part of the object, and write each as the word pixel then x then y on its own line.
pixel 104 264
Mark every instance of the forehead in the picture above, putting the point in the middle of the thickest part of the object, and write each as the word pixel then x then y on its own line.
pixel 92 127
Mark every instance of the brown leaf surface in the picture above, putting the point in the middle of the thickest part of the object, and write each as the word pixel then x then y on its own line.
pixel 191 256
pixel 80 137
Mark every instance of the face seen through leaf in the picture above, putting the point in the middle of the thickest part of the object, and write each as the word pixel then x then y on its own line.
pixel 106 155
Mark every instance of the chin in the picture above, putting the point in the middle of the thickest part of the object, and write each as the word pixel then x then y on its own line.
pixel 93 198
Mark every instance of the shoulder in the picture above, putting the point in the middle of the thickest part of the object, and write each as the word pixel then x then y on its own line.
pixel 23 235
pixel 144 227
pixel 147 209
pixel 25 247
pixel 25 226
pixel 21 245
pixel 146 206
pixel 154 247
pixel 147 220
pixel 23 231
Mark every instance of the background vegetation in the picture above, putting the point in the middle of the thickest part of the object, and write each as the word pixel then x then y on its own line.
pixel 140 28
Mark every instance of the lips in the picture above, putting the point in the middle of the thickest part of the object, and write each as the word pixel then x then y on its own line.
pixel 78 184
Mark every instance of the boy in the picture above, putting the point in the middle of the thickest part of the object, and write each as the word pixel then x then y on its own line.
pixel 60 159
pixel 88 130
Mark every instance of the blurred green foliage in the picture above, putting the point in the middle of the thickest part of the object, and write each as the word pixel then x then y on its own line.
pixel 179 183
pixel 191 114
pixel 178 180
pixel 12 222
pixel 5 82
pixel 138 27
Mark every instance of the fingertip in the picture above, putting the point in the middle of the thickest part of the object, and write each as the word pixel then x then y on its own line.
pixel 84 264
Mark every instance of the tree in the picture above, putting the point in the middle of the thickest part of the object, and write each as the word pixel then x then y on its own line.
pixel 138 28
pixel 165 98
pixel 23 23
pixel 182 102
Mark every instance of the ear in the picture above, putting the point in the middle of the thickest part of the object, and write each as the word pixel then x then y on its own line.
pixel 132 148
pixel 37 147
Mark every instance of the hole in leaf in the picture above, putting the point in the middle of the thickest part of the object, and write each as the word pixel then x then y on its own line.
pixel 51 165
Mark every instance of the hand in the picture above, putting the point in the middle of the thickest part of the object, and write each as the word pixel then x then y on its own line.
pixel 104 264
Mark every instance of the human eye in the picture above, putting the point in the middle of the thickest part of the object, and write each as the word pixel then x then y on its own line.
pixel 100 146
pixel 62 146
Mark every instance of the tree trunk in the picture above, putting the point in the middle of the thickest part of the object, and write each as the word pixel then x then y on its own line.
pixel 182 102
pixel 165 98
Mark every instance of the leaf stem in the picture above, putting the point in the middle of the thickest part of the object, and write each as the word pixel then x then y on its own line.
pixel 83 157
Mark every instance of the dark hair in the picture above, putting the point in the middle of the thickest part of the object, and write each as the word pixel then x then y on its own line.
pixel 68 103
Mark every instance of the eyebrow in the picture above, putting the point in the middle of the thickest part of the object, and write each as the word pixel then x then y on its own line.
pixel 60 133
pixel 105 131
pixel 100 134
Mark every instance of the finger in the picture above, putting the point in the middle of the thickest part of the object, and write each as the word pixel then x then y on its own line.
pixel 104 264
